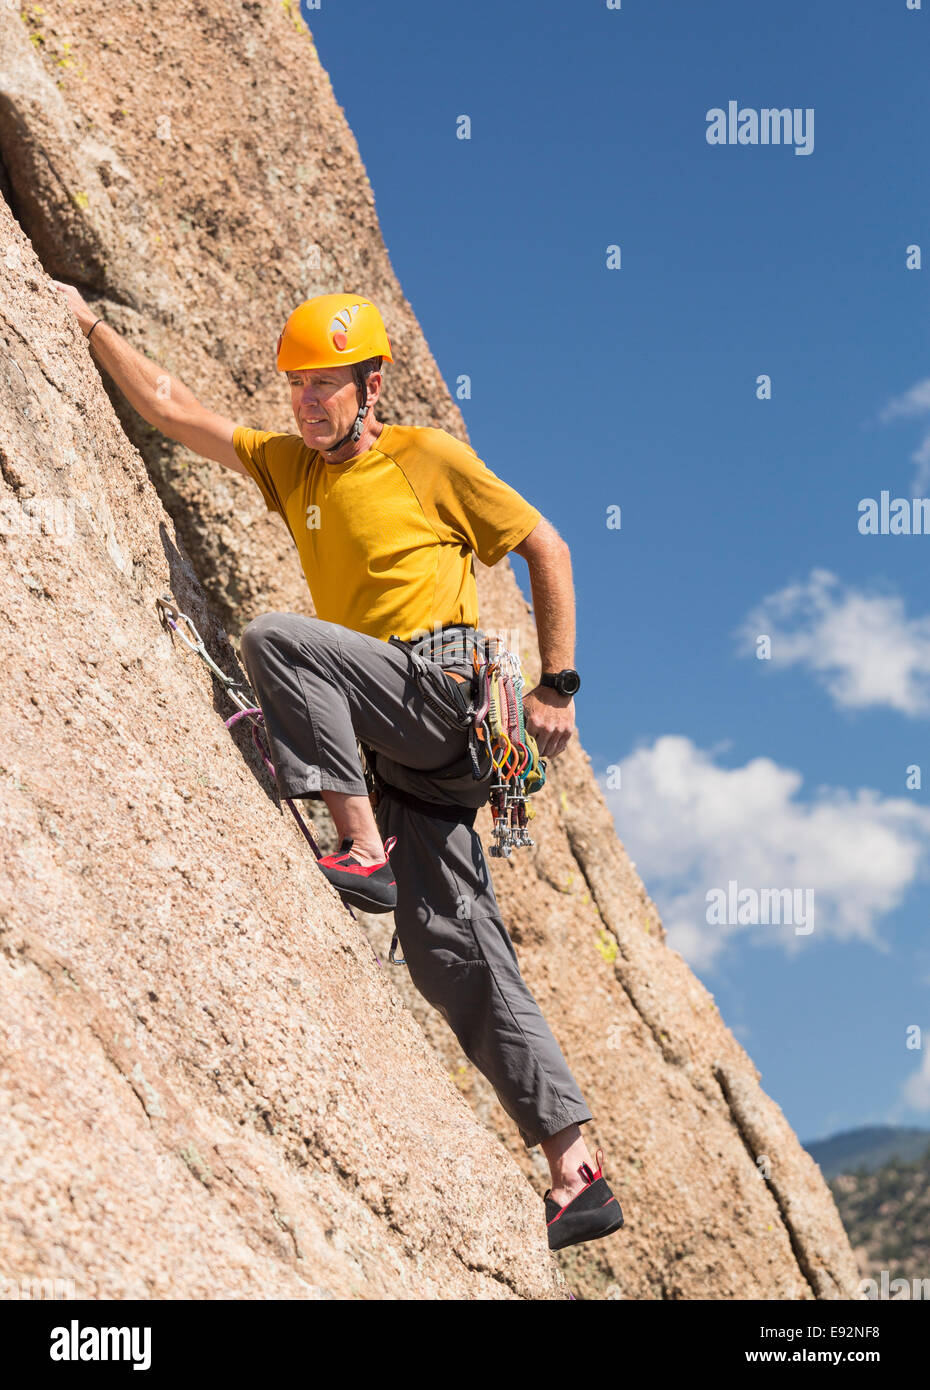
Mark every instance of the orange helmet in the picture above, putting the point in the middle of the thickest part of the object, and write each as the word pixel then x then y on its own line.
pixel 332 330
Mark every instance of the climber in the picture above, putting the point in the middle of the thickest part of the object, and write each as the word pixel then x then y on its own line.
pixel 386 520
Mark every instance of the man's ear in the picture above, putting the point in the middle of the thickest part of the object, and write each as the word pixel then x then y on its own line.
pixel 375 383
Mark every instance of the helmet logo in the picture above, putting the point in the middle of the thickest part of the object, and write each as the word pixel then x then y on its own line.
pixel 342 322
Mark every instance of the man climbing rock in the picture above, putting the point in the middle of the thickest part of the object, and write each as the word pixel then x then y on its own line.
pixel 386 520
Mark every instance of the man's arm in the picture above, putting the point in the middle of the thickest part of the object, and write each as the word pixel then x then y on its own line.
pixel 550 717
pixel 160 398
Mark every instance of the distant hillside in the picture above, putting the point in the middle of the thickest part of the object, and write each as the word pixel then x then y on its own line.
pixel 886 1213
pixel 868 1149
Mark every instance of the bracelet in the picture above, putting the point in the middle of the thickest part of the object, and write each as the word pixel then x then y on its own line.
pixel 93 326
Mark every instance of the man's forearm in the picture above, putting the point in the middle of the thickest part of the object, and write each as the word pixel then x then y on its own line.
pixel 554 605
pixel 162 400
pixel 550 716
pixel 158 396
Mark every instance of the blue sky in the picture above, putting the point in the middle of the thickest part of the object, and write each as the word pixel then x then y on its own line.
pixel 636 387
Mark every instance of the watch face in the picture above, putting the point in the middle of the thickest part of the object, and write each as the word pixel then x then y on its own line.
pixel 569 682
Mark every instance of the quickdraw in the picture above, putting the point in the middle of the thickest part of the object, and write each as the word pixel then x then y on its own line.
pixel 519 771
pixel 170 614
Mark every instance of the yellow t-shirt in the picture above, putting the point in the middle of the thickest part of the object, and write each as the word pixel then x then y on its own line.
pixel 386 540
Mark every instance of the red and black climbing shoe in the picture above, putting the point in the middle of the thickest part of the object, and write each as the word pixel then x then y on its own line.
pixel 593 1212
pixel 369 887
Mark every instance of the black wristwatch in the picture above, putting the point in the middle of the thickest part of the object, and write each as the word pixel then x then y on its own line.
pixel 565 682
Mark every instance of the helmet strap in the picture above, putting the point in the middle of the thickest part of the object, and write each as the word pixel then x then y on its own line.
pixel 355 433
pixel 359 423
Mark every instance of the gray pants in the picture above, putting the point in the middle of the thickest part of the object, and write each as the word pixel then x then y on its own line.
pixel 321 687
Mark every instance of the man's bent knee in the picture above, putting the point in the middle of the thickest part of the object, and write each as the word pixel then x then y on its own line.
pixel 259 631
pixel 283 628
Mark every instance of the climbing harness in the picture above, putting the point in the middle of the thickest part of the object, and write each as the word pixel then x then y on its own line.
pixel 456 644
pixel 170 614
pixel 499 745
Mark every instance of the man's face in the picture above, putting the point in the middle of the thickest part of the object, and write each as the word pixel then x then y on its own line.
pixel 325 404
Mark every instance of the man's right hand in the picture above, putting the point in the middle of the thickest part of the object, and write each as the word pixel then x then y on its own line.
pixel 160 398
pixel 82 311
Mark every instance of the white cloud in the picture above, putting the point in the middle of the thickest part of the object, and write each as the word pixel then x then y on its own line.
pixel 691 826
pixel 915 1093
pixel 862 646
pixel 911 405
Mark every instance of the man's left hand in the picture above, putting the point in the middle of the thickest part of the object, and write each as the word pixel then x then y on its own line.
pixel 550 718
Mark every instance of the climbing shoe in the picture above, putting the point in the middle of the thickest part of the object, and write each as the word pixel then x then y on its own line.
pixel 593 1212
pixel 370 887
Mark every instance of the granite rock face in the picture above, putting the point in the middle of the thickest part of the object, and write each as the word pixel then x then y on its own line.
pixel 210 1086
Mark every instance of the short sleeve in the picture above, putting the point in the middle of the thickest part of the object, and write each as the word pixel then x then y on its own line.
pixel 478 508
pixel 250 445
